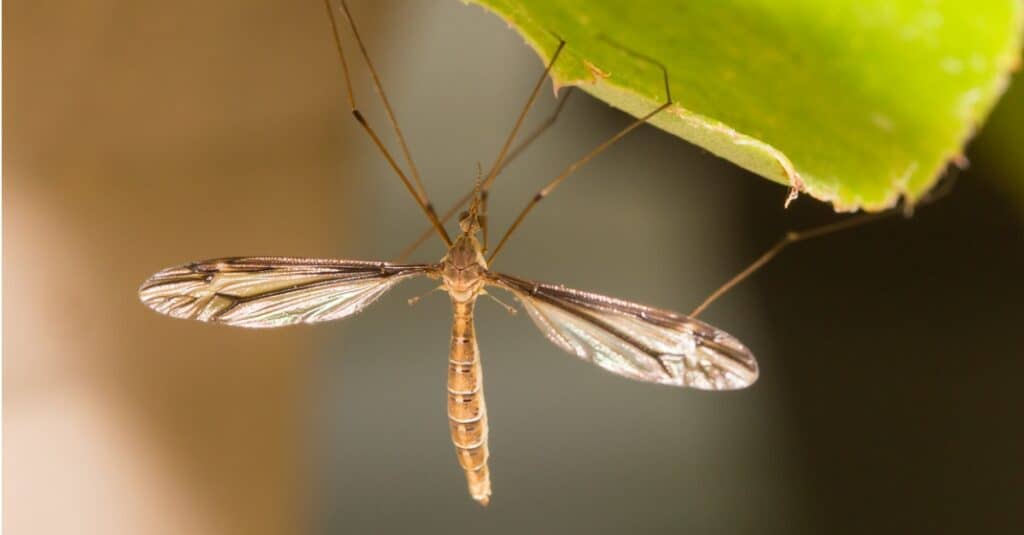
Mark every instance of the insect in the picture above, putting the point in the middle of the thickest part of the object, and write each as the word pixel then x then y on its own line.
pixel 625 338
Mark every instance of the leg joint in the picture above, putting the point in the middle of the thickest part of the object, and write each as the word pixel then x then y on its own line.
pixel 359 116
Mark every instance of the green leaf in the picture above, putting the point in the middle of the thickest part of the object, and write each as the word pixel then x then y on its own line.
pixel 854 102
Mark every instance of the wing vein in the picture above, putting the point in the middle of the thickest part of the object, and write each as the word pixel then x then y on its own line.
pixel 634 340
pixel 272 291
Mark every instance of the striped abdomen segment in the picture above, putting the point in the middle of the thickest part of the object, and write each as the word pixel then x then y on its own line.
pixel 467 414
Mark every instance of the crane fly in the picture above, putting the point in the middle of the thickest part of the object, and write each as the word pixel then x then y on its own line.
pixel 628 339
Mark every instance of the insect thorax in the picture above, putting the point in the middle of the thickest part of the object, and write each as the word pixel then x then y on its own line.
pixel 463 268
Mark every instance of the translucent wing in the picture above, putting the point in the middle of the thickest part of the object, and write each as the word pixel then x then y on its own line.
pixel 271 291
pixel 633 340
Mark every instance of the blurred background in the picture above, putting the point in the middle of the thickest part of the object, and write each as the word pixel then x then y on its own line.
pixel 141 135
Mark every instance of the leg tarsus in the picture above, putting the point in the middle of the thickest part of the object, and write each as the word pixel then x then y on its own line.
pixel 788 239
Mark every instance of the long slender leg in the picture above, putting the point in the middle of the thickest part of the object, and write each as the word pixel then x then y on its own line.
pixel 512 155
pixel 418 194
pixel 546 190
pixel 536 133
pixel 379 87
pixel 789 239
pixel 522 115
pixel 816 232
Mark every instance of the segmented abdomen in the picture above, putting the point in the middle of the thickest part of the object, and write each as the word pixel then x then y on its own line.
pixel 467 414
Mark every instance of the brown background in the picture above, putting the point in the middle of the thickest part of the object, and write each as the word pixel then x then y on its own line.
pixel 145 134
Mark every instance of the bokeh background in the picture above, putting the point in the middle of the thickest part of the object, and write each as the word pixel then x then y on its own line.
pixel 140 135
